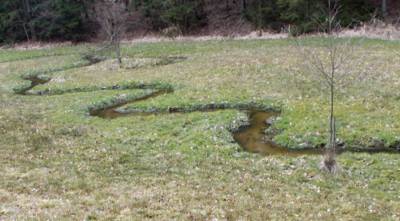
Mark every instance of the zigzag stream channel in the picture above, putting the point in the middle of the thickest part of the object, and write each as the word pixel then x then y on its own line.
pixel 251 136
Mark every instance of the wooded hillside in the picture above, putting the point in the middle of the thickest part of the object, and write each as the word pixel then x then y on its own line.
pixel 24 20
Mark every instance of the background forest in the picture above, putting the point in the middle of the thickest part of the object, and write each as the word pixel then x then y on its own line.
pixel 22 20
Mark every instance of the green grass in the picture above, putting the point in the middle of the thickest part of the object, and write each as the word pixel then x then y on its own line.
pixel 59 163
pixel 11 55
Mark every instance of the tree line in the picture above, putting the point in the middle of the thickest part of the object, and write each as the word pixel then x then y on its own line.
pixel 32 20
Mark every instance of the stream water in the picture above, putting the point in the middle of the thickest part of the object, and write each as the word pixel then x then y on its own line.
pixel 253 138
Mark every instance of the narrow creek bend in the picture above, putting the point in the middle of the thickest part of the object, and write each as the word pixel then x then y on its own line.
pixel 253 138
pixel 35 81
pixel 250 137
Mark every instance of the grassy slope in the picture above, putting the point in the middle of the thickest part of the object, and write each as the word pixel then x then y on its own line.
pixel 57 162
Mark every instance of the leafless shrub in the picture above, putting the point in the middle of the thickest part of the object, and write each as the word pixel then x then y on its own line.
pixel 172 32
pixel 331 68
pixel 375 28
pixel 112 17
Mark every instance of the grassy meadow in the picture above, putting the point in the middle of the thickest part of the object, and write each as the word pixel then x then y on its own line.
pixel 59 163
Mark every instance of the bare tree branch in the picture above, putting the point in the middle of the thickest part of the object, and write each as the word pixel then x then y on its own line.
pixel 333 66
pixel 112 17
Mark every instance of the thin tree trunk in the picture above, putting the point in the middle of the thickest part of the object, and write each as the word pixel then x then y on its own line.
pixel 118 53
pixel 384 8
pixel 329 162
pixel 33 31
pixel 26 32
pixel 29 17
pixel 331 120
pixel 330 17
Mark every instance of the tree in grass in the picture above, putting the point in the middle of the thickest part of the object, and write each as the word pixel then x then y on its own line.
pixel 332 67
pixel 112 16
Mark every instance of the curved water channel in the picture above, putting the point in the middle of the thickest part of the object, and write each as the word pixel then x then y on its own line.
pixel 251 138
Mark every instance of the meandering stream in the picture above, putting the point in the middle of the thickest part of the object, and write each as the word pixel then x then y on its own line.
pixel 251 137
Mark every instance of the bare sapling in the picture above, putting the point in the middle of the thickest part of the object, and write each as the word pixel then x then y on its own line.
pixel 331 67
pixel 112 16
